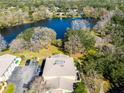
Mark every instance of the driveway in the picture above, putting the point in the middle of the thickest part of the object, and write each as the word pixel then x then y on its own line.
pixel 22 76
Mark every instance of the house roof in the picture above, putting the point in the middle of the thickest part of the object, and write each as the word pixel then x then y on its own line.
pixel 5 61
pixel 59 84
pixel 59 65
pixel 56 91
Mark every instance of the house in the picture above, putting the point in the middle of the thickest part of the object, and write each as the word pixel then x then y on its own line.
pixel 59 74
pixel 7 65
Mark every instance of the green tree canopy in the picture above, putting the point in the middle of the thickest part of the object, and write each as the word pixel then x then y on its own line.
pixel 79 41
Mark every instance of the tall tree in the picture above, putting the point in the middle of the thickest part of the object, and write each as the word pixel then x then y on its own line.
pixel 78 41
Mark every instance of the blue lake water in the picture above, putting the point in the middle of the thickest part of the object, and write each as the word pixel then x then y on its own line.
pixel 59 25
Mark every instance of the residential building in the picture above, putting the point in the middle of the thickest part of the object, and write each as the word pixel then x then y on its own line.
pixel 7 65
pixel 59 74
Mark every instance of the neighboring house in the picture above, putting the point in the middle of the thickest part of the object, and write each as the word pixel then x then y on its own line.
pixel 59 14
pixel 7 65
pixel 72 12
pixel 59 74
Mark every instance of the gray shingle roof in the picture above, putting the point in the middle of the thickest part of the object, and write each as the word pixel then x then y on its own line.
pixel 5 61
pixel 59 83
pixel 59 65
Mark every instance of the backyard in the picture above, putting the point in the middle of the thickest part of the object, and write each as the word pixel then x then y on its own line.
pixel 23 74
pixel 40 55
pixel 10 88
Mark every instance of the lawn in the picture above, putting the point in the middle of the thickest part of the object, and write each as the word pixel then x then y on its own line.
pixel 10 88
pixel 42 54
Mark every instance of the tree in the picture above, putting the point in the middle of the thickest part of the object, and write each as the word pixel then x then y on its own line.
pixel 26 35
pixel 78 41
pixel 3 44
pixel 58 43
pixel 42 37
pixel 37 86
pixel 18 45
pixel 108 65
pixel 80 88
pixel 33 39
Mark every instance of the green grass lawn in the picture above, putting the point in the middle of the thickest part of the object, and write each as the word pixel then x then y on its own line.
pixel 10 88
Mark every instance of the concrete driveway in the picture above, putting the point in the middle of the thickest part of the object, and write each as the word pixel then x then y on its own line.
pixel 22 76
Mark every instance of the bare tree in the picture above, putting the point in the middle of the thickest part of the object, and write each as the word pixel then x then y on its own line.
pixel 17 45
pixel 37 86
pixel 33 39
pixel 3 44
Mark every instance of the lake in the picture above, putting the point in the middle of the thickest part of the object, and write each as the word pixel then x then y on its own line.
pixel 59 25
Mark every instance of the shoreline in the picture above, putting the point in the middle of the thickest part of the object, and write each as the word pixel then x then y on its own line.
pixel 35 21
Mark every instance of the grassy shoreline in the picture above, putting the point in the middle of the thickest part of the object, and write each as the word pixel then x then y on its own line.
pixel 35 21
